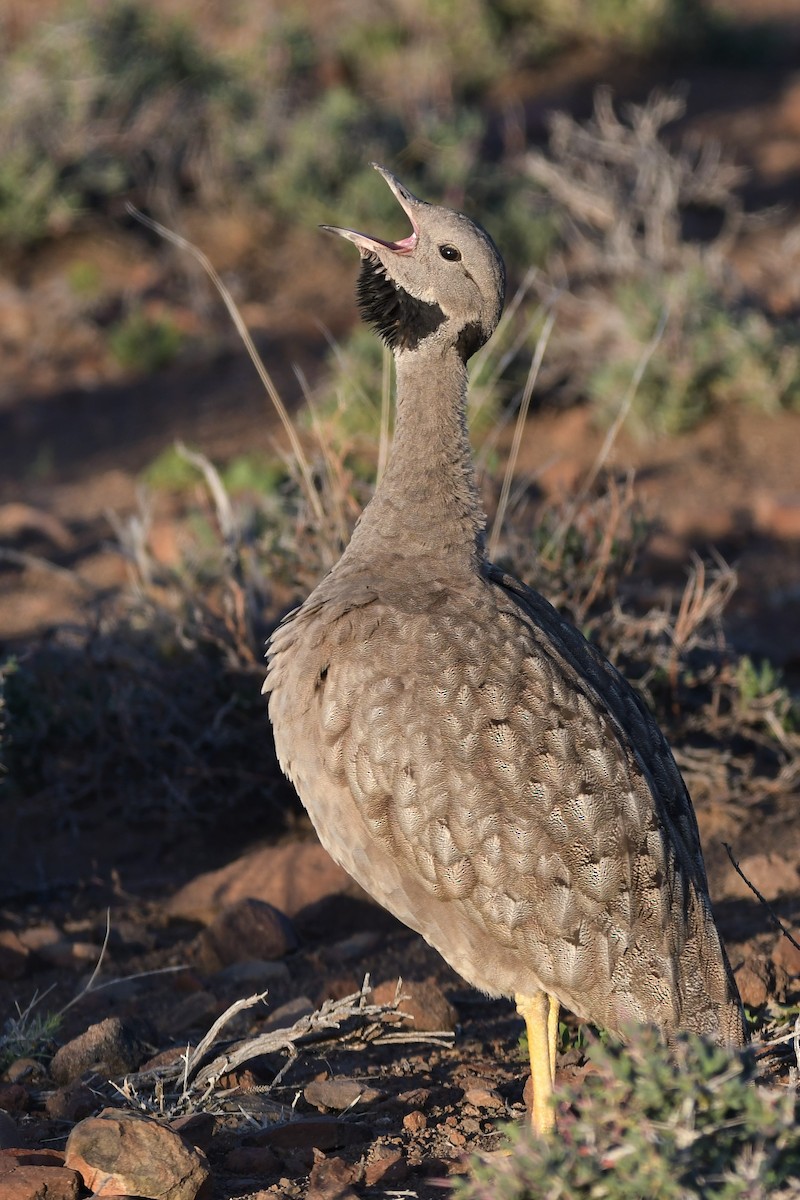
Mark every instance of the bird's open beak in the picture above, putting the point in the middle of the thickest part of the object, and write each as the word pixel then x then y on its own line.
pixel 369 245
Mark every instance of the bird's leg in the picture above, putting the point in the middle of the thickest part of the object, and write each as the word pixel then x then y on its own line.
pixel 540 1013
pixel 552 1033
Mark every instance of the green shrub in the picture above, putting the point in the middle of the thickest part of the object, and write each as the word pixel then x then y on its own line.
pixel 142 343
pixel 650 1122
pixel 712 354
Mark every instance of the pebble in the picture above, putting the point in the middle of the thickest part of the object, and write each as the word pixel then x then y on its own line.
pixel 50 944
pixel 287 1014
pixel 14 1097
pixel 37 1175
pixel 425 1006
pixel 197 1128
pixel 772 874
pixel 9 1134
pixel 330 1179
pixel 248 929
pixel 197 1011
pixel 306 1133
pixel 387 1166
pixel 339 1094
pixel 257 1161
pixel 753 983
pixel 480 1095
pixel 415 1121
pixel 73 1102
pixel 111 1047
pixel 289 877
pixel 14 955
pixel 253 973
pixel 124 1153
pixel 787 956
pixel 358 945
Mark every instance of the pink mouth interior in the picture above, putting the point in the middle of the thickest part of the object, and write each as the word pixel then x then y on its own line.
pixel 404 246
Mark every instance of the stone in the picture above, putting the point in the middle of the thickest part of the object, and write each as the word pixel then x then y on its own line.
pixel 37 937
pixel 481 1095
pixel 72 955
pixel 777 516
pixel 258 1161
pixel 37 1175
pixel 111 1047
pixel 73 1102
pixel 357 945
pixel 415 1098
pixel 14 1097
pixel 247 929
pixel 424 1008
pixel 252 974
pixel 197 1011
pixel 287 1014
pixel 29 1071
pixel 339 1094
pixel 289 877
pixel 14 955
pixel 415 1121
pixel 753 984
pixel 197 1128
pixel 331 1179
pixel 772 874
pixel 388 1165
pixel 787 956
pixel 307 1133
pixel 121 1153
pixel 336 987
pixel 9 1133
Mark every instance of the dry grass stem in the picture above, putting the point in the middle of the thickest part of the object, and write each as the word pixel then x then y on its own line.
pixel 297 450
pixel 519 429
pixel 773 916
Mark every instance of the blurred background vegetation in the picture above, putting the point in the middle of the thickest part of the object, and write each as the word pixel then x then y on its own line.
pixel 241 125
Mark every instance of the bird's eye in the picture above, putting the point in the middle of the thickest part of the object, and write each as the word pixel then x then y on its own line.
pixel 450 253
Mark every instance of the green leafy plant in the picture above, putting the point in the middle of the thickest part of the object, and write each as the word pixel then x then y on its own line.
pixel 143 343
pixel 711 354
pixel 762 696
pixel 646 1121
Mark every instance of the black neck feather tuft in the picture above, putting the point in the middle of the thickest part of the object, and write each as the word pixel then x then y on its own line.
pixel 398 317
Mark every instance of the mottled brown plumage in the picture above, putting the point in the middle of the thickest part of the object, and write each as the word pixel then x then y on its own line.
pixel 463 752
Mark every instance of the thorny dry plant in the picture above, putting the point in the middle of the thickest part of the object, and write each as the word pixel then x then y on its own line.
pixel 624 190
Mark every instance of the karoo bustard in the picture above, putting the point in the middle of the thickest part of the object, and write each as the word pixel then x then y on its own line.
pixel 463 752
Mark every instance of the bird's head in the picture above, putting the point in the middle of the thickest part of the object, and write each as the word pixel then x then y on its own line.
pixel 445 280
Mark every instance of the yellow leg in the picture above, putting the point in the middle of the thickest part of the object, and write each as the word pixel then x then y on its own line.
pixel 540 1013
pixel 552 1033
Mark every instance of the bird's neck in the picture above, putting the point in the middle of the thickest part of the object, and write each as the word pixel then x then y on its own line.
pixel 426 505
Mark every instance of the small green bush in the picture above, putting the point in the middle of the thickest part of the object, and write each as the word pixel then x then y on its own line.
pixel 712 354
pixel 685 1124
pixel 142 343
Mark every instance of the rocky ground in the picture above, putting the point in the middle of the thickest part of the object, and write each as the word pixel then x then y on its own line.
pixel 361 1065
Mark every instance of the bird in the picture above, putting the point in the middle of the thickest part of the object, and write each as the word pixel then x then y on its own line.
pixel 462 750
